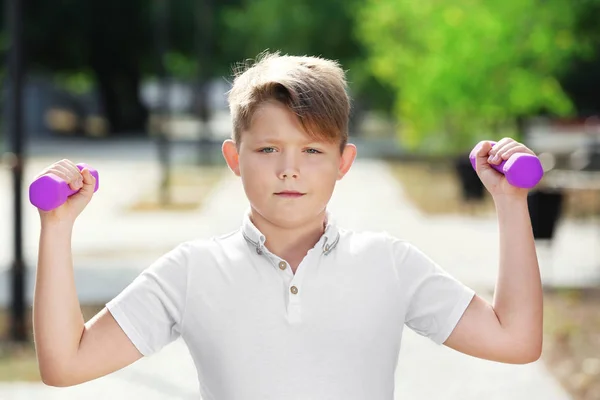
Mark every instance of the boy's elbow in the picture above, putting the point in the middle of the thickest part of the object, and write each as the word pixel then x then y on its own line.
pixel 53 379
pixel 532 356
pixel 53 382
pixel 56 377
pixel 529 354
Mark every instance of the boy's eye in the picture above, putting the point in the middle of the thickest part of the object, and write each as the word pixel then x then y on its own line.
pixel 266 150
pixel 313 151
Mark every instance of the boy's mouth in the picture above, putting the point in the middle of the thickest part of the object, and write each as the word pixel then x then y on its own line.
pixel 289 193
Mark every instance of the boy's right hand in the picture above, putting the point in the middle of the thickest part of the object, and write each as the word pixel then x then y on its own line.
pixel 77 180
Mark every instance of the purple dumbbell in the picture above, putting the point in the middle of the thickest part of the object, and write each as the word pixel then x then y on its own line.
pixel 49 191
pixel 521 169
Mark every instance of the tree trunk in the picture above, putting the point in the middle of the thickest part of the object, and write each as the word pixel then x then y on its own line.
pixel 118 87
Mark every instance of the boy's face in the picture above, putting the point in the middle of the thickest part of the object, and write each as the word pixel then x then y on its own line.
pixel 287 176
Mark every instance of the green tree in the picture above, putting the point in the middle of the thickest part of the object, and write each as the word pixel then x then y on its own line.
pixel 305 27
pixel 582 78
pixel 467 70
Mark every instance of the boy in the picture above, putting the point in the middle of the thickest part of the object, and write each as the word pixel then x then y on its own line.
pixel 290 306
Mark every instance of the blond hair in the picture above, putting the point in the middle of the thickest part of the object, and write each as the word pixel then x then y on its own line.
pixel 313 88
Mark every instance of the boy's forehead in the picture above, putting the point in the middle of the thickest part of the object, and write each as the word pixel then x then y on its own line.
pixel 282 134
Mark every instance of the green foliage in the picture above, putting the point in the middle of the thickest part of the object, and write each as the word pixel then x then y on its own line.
pixel 582 78
pixel 298 27
pixel 464 70
pixel 455 72
pixel 78 82
pixel 303 27
pixel 181 66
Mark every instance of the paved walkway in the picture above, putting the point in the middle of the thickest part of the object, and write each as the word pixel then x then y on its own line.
pixel 368 199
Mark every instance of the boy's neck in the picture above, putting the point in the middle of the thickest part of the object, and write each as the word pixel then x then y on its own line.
pixel 290 244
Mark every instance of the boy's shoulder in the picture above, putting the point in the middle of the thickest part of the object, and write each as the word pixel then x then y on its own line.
pixel 363 235
pixel 228 242
pixel 370 240
pixel 210 242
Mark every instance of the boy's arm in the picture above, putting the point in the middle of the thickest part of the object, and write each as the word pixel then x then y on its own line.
pixel 70 352
pixel 510 329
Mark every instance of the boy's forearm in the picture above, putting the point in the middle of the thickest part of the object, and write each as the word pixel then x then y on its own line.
pixel 518 298
pixel 57 320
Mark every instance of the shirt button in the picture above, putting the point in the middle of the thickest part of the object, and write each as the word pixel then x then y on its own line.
pixel 282 265
pixel 294 290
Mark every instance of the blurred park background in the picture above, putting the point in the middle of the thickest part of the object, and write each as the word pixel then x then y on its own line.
pixel 137 89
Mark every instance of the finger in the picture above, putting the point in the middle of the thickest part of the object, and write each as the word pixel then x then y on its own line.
pixel 73 180
pixel 71 177
pixel 498 149
pixel 89 182
pixel 518 148
pixel 501 154
pixel 501 143
pixel 70 165
pixel 481 156
pixel 88 178
pixel 58 171
pixel 54 171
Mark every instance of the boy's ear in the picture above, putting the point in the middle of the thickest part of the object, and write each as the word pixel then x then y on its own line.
pixel 348 156
pixel 230 154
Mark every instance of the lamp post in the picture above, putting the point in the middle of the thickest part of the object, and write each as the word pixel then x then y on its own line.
pixel 204 49
pixel 14 14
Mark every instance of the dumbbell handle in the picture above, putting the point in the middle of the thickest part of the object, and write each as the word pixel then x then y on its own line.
pixel 522 170
pixel 49 191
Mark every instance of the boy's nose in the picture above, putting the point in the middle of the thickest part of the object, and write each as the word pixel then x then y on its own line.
pixel 289 167
pixel 288 173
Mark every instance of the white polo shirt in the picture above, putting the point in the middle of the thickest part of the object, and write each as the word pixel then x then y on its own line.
pixel 256 331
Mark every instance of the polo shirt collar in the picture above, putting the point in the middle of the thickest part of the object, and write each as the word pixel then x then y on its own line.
pixel 327 242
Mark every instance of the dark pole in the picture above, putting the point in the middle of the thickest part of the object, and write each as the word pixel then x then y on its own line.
pixel 204 53
pixel 18 331
pixel 163 142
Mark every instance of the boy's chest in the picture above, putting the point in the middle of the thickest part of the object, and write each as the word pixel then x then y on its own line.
pixel 264 310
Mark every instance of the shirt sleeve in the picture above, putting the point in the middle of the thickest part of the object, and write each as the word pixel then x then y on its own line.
pixel 435 300
pixel 150 309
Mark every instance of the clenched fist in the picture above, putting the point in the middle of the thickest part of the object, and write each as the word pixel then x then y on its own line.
pixel 82 181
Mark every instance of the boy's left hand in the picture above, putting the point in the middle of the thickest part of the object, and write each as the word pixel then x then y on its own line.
pixel 494 181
